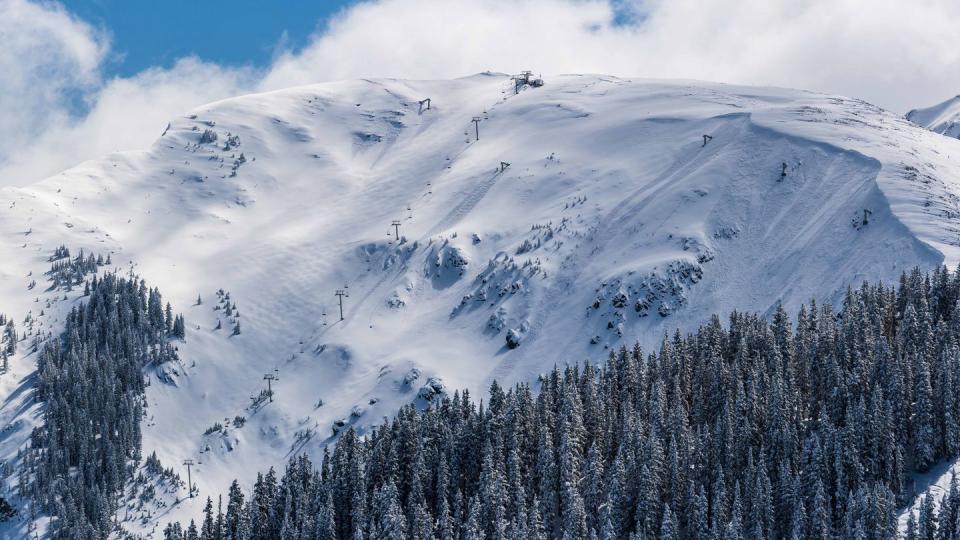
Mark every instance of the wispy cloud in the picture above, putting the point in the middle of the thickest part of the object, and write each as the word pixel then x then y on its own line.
pixel 896 54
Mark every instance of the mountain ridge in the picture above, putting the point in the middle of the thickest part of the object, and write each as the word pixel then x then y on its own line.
pixel 613 221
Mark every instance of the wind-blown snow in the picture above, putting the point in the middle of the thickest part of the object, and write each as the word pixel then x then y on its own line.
pixel 612 223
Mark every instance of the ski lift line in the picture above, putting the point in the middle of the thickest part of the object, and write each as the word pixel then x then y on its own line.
pixel 446 167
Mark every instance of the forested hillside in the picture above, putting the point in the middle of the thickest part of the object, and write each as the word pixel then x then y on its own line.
pixel 92 382
pixel 753 429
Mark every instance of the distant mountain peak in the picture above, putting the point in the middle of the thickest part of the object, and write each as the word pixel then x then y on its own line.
pixel 943 118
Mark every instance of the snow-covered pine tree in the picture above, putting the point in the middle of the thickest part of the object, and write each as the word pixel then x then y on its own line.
pixel 91 380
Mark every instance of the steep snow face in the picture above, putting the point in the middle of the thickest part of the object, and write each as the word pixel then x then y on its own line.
pixel 943 118
pixel 591 213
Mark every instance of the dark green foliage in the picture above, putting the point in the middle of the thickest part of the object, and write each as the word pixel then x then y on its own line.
pixel 68 273
pixel 91 379
pixel 208 136
pixel 60 252
pixel 179 330
pixel 8 342
pixel 6 510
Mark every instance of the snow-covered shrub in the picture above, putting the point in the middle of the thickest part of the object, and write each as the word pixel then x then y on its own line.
pixel 208 136
pixel 148 493
pixel 233 141
pixel 514 338
pixel 664 290
pixel 395 301
pixel 451 257
pixel 497 320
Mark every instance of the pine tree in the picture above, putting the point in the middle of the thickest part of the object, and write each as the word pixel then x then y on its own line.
pixel 326 528
pixel 179 329
pixel 911 531
pixel 926 525
pixel 207 528
pixel 472 529
pixel 924 433
pixel 192 532
pixel 387 520
pixel 668 529
pixel 232 521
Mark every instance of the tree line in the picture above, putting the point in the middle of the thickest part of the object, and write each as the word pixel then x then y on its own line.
pixel 92 384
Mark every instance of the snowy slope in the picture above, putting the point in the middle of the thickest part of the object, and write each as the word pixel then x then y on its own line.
pixel 613 223
pixel 943 118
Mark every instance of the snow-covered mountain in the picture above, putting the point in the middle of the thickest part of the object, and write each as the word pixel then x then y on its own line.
pixel 591 213
pixel 943 118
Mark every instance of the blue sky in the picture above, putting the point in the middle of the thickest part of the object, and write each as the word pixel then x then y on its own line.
pixel 148 34
pixel 68 94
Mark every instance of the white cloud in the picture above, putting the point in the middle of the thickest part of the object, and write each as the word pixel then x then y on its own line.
pixel 448 38
pixel 896 54
pixel 50 67
pixel 125 114
pixel 44 55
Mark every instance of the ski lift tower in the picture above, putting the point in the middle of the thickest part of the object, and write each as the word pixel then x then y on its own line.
pixel 341 294
pixel 396 228
pixel 189 463
pixel 520 80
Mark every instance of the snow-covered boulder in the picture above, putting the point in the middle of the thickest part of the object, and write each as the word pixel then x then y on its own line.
pixel 449 265
pixel 432 389
pixel 340 425
pixel 514 338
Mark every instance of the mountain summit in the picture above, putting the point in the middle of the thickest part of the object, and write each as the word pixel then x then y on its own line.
pixel 489 233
